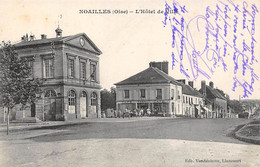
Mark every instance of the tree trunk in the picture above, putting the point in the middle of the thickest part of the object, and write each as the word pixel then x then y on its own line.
pixel 7 121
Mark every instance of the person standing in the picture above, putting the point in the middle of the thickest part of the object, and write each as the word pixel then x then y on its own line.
pixel 115 114
pixel 148 112
pixel 119 113
pixel 124 113
pixel 141 112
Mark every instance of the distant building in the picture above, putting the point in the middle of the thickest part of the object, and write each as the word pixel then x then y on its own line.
pixel 69 67
pixel 152 88
pixel 215 101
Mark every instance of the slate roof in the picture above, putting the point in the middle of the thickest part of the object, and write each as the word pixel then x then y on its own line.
pixel 150 75
pixel 188 90
pixel 59 39
pixel 214 92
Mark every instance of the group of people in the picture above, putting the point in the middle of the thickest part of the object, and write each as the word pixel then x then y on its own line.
pixel 130 113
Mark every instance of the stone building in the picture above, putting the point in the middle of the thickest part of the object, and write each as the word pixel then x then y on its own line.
pixel 214 100
pixel 152 88
pixel 69 68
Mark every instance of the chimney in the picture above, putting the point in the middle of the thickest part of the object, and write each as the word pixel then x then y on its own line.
pixel 163 66
pixel 182 80
pixel 32 37
pixel 203 88
pixel 211 84
pixel 43 36
pixel 23 38
pixel 190 83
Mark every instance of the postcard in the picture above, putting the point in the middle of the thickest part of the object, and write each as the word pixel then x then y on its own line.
pixel 132 83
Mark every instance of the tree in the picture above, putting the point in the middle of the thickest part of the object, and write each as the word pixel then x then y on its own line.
pixel 108 98
pixel 235 105
pixel 16 86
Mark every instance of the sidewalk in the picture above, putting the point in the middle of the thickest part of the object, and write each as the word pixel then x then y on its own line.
pixel 26 126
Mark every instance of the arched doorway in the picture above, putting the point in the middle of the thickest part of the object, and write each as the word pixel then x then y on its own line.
pixel 94 103
pixel 50 105
pixel 83 104
pixel 72 102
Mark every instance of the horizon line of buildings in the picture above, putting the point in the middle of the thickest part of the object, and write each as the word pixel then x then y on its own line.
pixel 69 68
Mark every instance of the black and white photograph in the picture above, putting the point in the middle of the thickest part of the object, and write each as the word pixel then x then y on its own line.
pixel 140 83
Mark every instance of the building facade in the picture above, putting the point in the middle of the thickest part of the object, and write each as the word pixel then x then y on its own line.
pixel 69 68
pixel 192 100
pixel 151 89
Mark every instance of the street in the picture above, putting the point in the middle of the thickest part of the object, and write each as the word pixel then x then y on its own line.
pixel 131 142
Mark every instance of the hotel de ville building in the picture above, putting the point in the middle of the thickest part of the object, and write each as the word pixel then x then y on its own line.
pixel 69 68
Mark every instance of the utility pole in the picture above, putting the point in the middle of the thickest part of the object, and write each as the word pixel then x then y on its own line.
pixel 7 132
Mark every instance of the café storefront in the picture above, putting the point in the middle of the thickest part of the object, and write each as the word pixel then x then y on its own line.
pixel 157 108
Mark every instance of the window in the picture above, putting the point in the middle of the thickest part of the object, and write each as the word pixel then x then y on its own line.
pixel 93 99
pixel 93 72
pixel 126 94
pixel 158 93
pixel 48 68
pixel 172 94
pixel 142 93
pixel 82 70
pixel 72 98
pixel 178 94
pixel 83 94
pixel 50 93
pixel 71 68
pixel 186 99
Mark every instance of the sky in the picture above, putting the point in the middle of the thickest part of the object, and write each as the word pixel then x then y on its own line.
pixel 130 41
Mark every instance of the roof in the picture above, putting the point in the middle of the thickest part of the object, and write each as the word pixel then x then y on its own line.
pixel 57 39
pixel 211 92
pixel 150 75
pixel 39 41
pixel 214 92
pixel 188 90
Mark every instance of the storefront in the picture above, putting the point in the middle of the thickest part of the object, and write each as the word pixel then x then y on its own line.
pixel 156 108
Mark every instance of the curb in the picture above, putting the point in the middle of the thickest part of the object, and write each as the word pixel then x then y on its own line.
pixel 63 123
pixel 245 138
pixel 42 126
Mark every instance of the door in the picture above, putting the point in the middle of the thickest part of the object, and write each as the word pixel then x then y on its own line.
pixel 83 107
pixel 173 109
pixel 196 112
pixel 72 103
pixel 83 104
pixel 33 110
pixel 49 109
pixel 50 105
